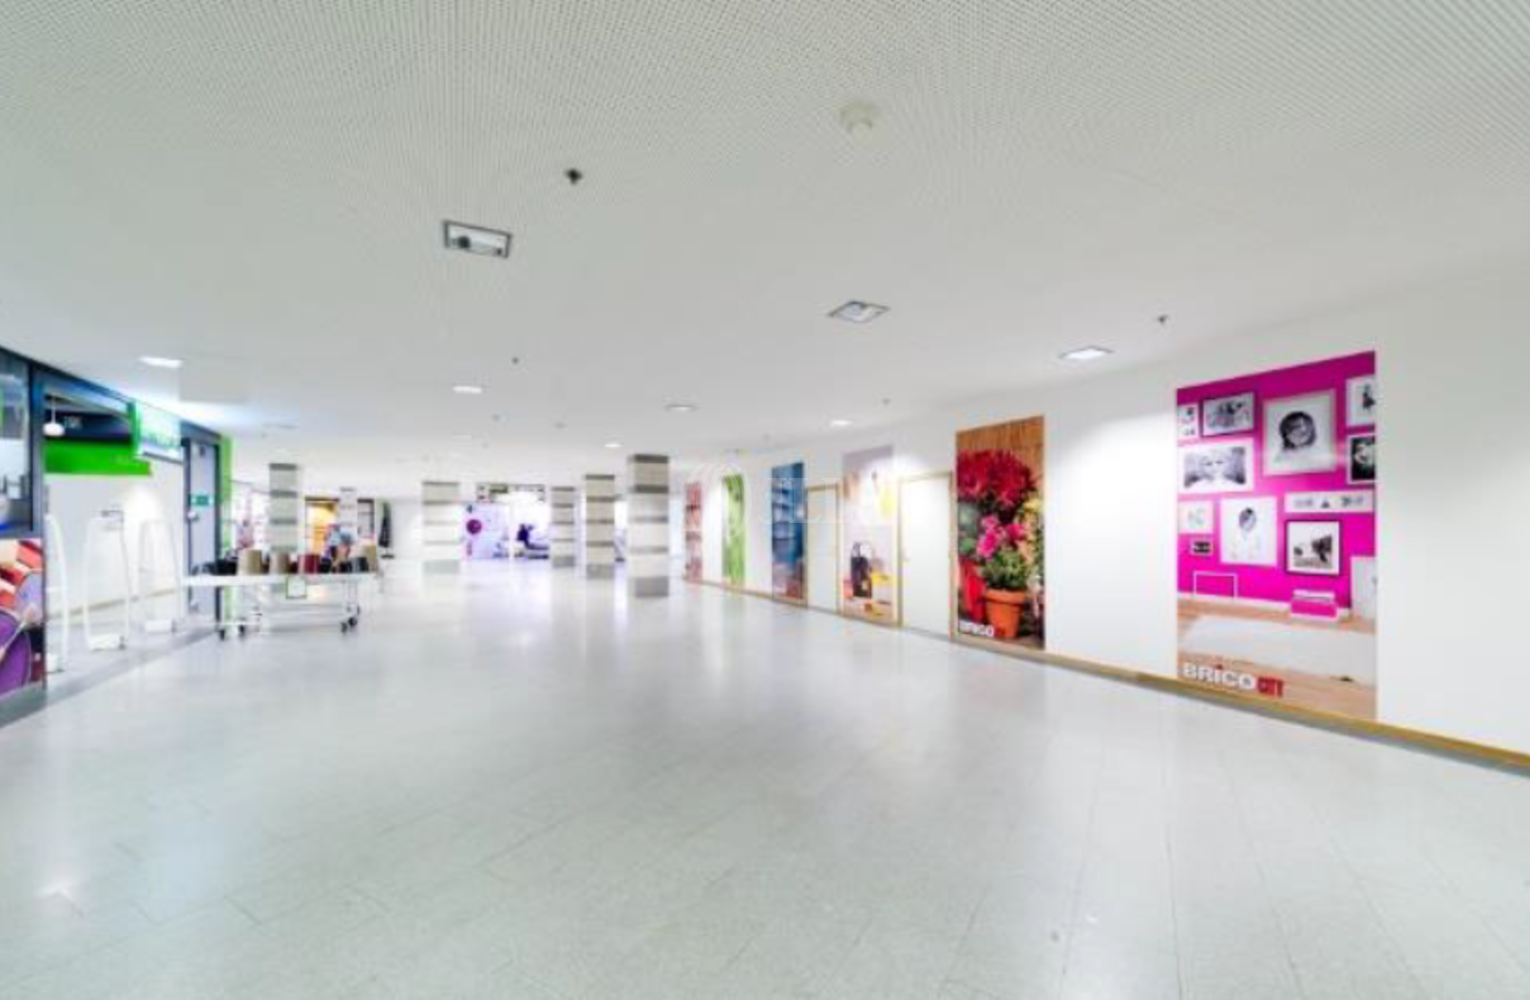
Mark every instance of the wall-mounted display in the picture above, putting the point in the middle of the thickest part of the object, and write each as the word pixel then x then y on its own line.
pixel 1299 435
pixel 1000 533
pixel 1362 459
pixel 159 434
pixel 788 531
pixel 1196 518
pixel 1189 422
pixel 22 628
pixel 733 531
pixel 1283 606
pixel 1361 402
pixel 868 567
pixel 1224 467
pixel 1227 414
pixel 693 532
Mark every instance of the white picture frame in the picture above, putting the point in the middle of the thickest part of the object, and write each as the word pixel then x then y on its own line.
pixel 1360 459
pixel 1197 517
pixel 1361 401
pixel 1299 435
pixel 1332 502
pixel 1217 467
pixel 1189 421
pixel 1315 548
pixel 1250 532
pixel 1224 416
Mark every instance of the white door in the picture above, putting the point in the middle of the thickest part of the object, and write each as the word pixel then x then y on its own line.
pixel 822 549
pixel 925 507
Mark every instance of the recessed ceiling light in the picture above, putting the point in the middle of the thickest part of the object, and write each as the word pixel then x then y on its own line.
pixel 613 445
pixel 476 239
pixel 840 422
pixel 856 311
pixel 1087 354
pixel 154 361
pixel 468 390
pixel 681 407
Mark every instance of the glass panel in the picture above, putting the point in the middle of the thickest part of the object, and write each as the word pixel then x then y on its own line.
pixel 15 445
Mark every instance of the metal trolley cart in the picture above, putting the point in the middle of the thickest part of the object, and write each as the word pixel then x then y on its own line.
pixel 258 602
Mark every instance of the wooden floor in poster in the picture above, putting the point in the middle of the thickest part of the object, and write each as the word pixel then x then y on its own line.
pixel 1269 656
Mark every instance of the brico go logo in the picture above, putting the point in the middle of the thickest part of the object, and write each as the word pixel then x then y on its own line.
pixel 1235 680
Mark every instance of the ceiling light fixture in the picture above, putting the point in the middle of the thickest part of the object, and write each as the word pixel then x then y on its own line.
pixel 840 422
pixel 1087 354
pixel 475 239
pixel 856 311
pixel 468 390
pixel 154 361
pixel 681 408
pixel 613 445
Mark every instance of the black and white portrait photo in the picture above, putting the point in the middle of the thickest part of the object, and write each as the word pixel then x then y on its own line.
pixel 1248 532
pixel 1313 548
pixel 1201 547
pixel 1227 467
pixel 1362 459
pixel 1189 422
pixel 1360 409
pixel 1299 435
pixel 1228 415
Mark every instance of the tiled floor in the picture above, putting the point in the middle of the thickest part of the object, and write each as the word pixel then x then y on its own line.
pixel 524 786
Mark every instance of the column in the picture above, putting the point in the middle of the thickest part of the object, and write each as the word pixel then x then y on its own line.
pixel 560 539
pixel 599 526
pixel 442 534
pixel 348 514
pixel 284 514
pixel 648 525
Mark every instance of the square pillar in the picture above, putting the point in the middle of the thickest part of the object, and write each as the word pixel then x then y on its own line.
pixel 648 525
pixel 599 526
pixel 442 527
pixel 560 532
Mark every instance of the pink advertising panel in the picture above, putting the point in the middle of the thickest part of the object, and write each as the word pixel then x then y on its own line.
pixel 1277 534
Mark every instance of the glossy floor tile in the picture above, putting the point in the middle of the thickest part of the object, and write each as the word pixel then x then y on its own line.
pixel 519 784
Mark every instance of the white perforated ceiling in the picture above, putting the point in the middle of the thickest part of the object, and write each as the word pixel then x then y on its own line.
pixel 259 189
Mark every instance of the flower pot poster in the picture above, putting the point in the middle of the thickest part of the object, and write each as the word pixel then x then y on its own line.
pixel 868 566
pixel 1000 533
pixel 22 628
pixel 788 532
pixel 693 534
pixel 733 531
pixel 1277 578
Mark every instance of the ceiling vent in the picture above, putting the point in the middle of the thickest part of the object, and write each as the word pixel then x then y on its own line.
pixel 856 311
pixel 476 240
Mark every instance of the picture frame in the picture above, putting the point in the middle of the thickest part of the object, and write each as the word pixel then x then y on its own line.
pixel 1224 416
pixel 1332 502
pixel 1189 421
pixel 1202 548
pixel 1360 459
pixel 1315 548
pixel 1217 467
pixel 1299 435
pixel 1196 517
pixel 1250 532
pixel 1361 402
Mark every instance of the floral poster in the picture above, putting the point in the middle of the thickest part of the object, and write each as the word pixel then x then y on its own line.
pixel 733 532
pixel 1000 538
pixel 869 533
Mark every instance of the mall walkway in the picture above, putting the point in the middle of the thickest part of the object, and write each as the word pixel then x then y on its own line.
pixel 510 789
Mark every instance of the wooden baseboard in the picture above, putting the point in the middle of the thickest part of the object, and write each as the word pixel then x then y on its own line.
pixel 1402 736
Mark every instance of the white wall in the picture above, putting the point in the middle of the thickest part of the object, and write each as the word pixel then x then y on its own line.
pixel 1454 489
pixel 74 500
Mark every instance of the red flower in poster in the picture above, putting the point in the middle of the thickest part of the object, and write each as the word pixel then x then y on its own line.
pixel 996 481
pixel 972 593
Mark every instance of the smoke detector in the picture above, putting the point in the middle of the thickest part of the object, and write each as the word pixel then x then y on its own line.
pixel 859 117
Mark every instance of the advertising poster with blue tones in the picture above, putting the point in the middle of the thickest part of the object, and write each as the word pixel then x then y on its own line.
pixel 788 531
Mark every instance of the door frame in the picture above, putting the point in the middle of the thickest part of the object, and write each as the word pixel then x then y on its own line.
pixel 807 570
pixel 925 477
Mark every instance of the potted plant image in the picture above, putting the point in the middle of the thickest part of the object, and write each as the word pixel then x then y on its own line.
pixel 1005 597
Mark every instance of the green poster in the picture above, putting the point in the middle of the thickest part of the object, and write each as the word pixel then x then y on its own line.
pixel 733 536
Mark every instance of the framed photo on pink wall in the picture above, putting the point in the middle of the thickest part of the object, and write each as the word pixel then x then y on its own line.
pixel 1299 435
pixel 1314 548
